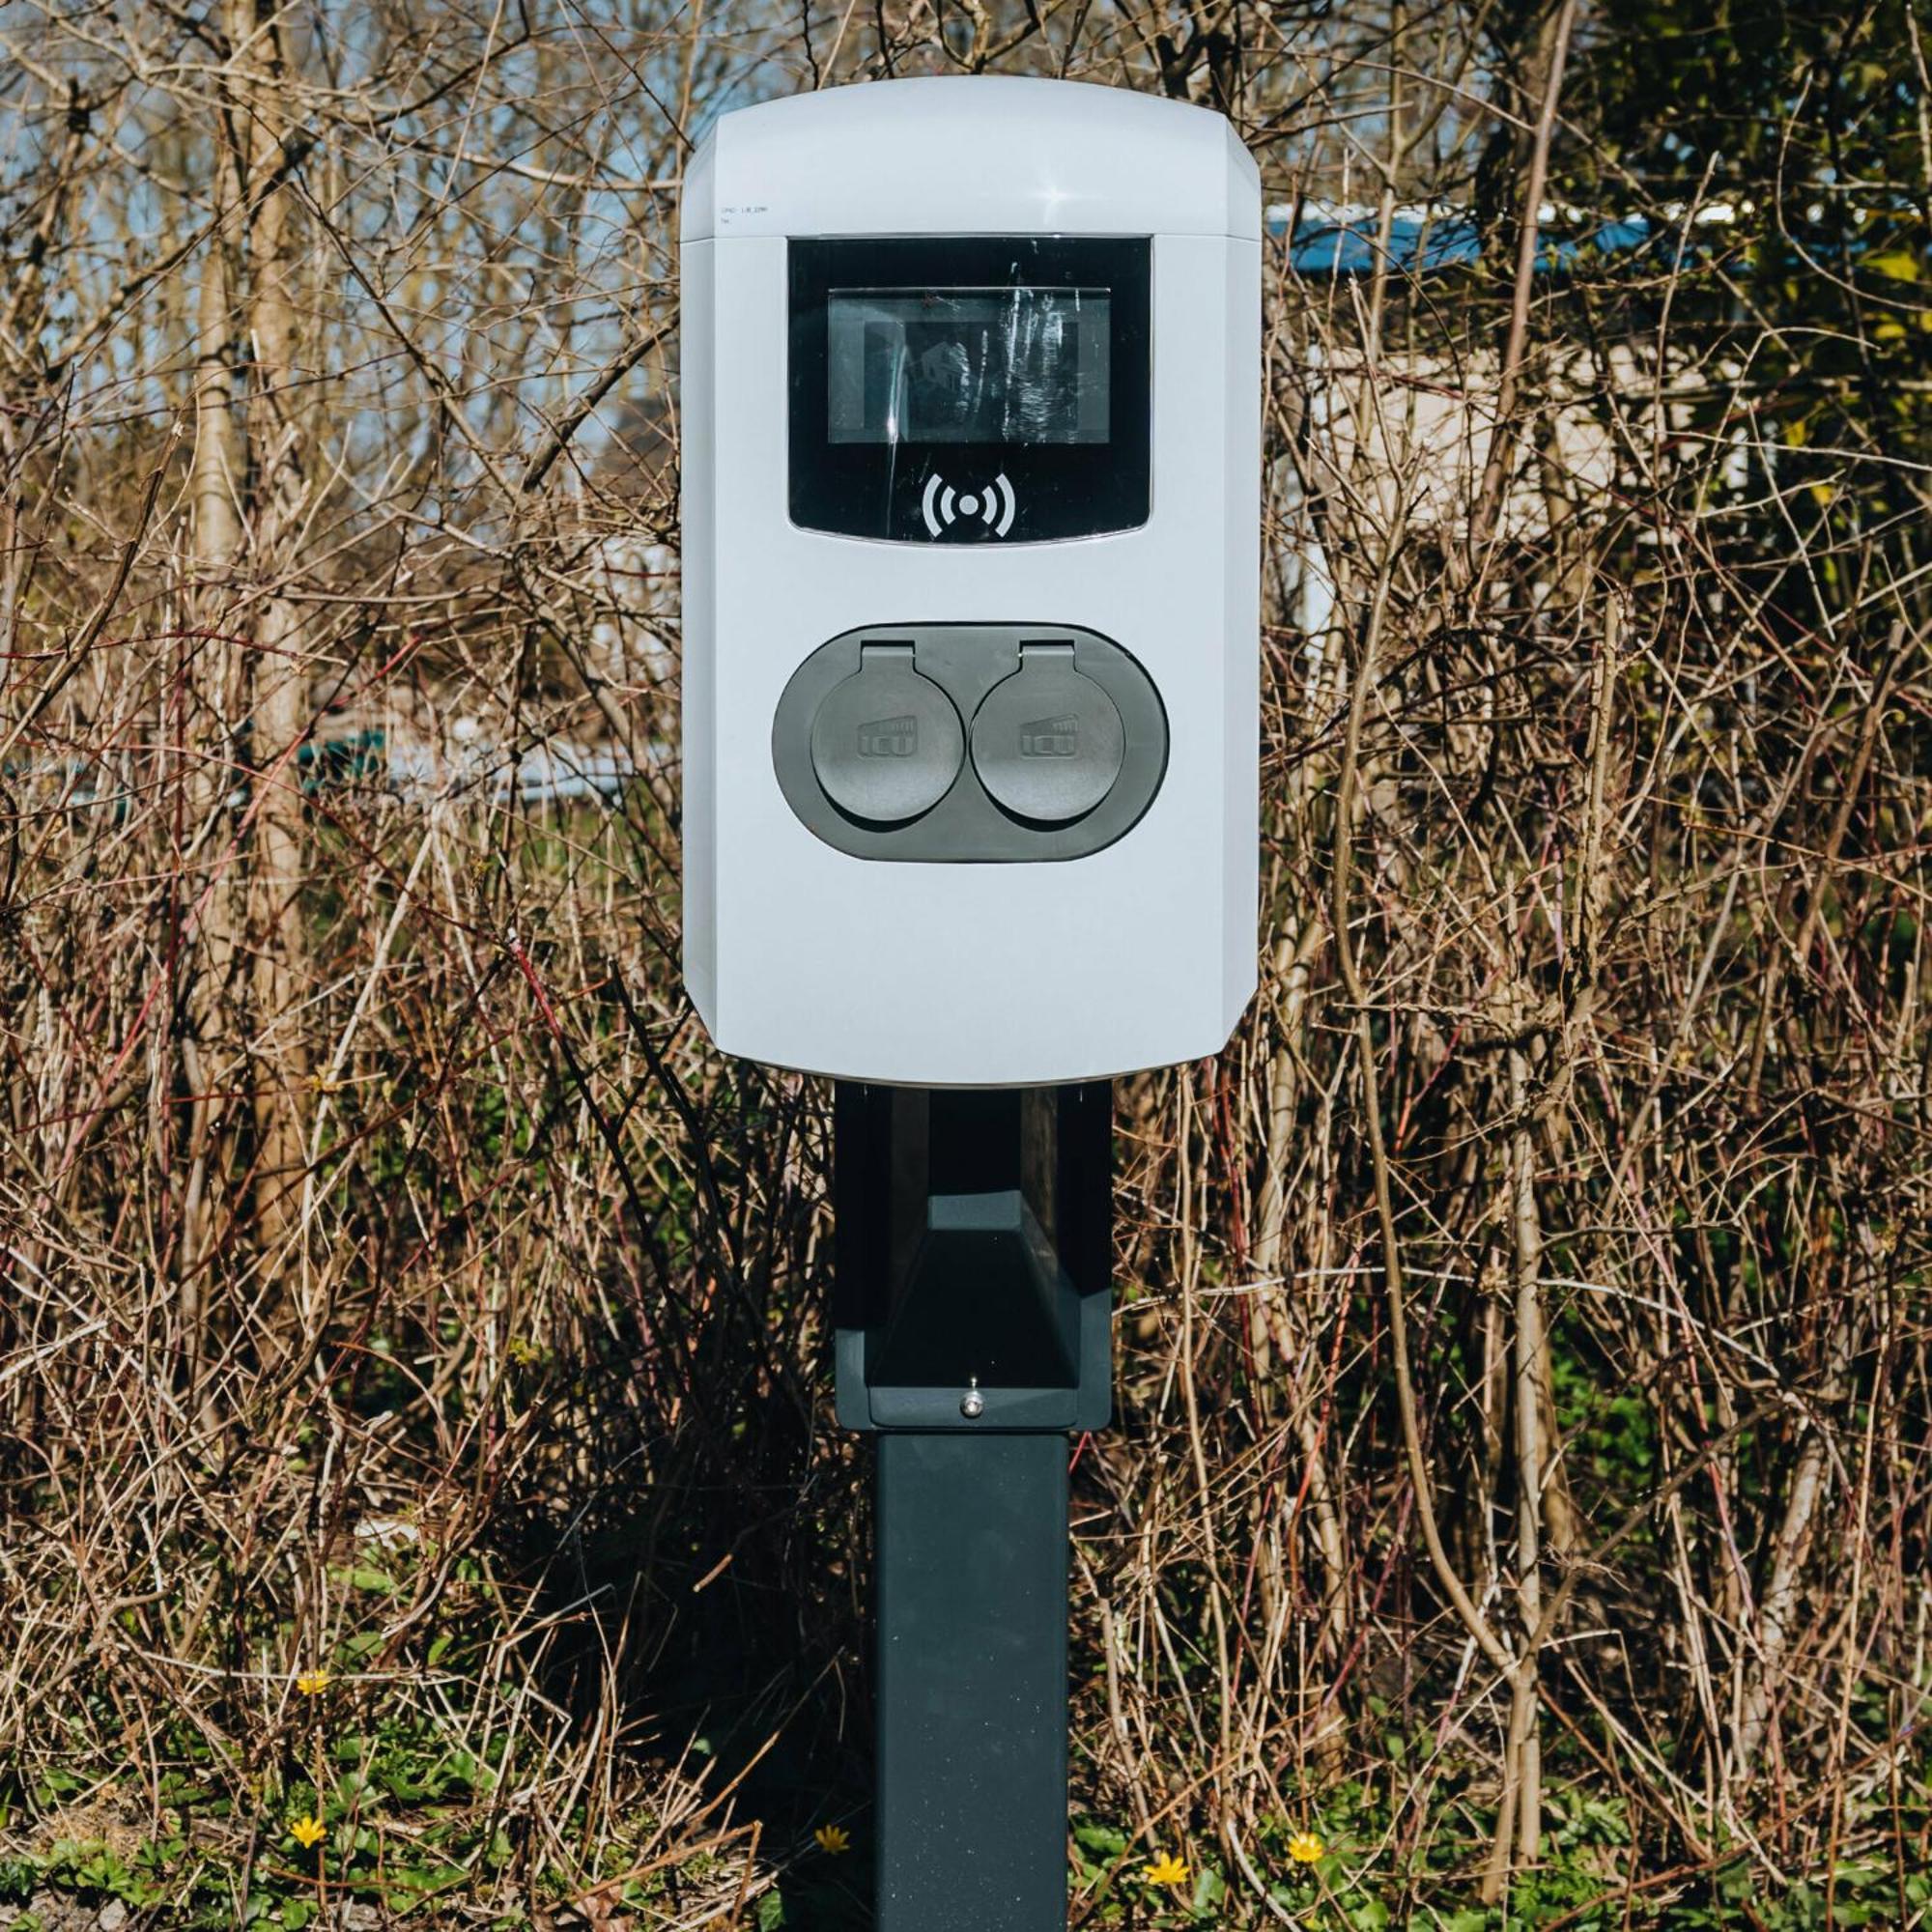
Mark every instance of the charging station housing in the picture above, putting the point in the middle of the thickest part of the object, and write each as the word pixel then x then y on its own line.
pixel 970 421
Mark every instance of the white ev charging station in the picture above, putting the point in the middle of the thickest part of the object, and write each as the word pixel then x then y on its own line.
pixel 970 445
pixel 970 412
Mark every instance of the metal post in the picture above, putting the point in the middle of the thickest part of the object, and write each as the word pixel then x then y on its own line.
pixel 973 1314
pixel 972 1684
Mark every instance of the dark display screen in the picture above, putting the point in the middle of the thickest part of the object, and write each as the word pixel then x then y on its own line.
pixel 969 388
pixel 1011 366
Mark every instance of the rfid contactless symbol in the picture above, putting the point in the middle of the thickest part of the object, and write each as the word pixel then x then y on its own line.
pixel 942 505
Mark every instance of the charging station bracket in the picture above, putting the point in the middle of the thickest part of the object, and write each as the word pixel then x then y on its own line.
pixel 974 1258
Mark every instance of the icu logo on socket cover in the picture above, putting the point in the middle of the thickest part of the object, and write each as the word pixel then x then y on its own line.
pixel 1050 738
pixel 889 738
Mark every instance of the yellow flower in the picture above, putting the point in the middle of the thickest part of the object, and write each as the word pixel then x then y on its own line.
pixel 309 1831
pixel 832 1839
pixel 312 1683
pixel 1167 1869
pixel 1304 1848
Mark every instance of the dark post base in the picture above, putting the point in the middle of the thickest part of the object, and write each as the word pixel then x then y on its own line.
pixel 972 1683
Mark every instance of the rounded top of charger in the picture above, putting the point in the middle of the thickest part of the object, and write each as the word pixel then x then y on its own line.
pixel 971 155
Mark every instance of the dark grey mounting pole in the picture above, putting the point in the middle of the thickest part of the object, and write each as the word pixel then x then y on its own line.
pixel 971 1814
pixel 973 1320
